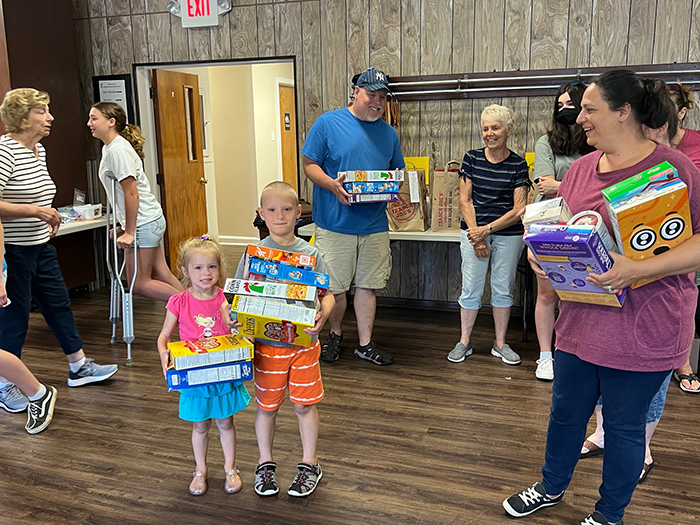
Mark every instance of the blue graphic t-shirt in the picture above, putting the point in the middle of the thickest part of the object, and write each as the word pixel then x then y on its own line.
pixel 339 141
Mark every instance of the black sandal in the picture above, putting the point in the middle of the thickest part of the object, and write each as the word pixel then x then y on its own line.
pixel 330 350
pixel 691 377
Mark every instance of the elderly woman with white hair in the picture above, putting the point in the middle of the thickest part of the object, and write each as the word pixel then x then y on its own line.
pixel 493 190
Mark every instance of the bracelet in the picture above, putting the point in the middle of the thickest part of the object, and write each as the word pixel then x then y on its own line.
pixel 490 228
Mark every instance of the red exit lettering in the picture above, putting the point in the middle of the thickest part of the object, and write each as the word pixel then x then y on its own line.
pixel 197 8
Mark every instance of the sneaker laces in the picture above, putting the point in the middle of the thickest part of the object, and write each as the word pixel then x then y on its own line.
pixel 13 392
pixel 34 410
pixel 266 475
pixel 530 495
pixel 302 477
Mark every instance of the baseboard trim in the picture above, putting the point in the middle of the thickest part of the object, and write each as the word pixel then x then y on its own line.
pixel 231 240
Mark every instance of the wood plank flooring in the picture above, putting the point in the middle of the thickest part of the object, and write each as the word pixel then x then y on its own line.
pixel 423 441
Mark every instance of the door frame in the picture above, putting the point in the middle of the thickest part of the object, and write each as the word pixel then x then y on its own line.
pixel 145 116
pixel 289 82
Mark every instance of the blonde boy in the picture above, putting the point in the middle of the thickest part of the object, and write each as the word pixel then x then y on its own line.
pixel 280 365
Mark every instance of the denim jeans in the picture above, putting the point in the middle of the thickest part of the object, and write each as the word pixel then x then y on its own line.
pixel 505 253
pixel 627 396
pixel 656 407
pixel 33 272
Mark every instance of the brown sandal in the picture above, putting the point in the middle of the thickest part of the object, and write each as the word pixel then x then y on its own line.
pixel 593 450
pixel 233 482
pixel 198 486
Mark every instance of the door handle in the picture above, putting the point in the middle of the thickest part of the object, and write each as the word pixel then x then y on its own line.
pixel 203 180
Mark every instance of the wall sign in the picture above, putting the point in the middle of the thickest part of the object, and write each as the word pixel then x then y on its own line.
pixel 286 122
pixel 199 13
pixel 117 89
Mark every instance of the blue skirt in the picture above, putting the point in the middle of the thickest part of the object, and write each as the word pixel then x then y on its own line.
pixel 217 401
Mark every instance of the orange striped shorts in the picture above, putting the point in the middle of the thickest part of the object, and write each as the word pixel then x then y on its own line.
pixel 279 366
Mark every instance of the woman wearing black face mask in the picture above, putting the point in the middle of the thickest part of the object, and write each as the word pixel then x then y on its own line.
pixel 554 153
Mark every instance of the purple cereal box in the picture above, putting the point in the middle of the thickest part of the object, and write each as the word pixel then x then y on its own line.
pixel 568 254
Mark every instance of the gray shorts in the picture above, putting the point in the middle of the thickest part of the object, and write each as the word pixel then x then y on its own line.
pixel 150 234
pixel 364 260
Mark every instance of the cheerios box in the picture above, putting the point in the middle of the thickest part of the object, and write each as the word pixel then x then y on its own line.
pixel 282 272
pixel 273 320
pixel 568 254
pixel 649 213
pixel 371 175
pixel 209 351
pixel 209 375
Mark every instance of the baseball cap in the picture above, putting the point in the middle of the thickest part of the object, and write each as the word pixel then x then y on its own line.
pixel 372 80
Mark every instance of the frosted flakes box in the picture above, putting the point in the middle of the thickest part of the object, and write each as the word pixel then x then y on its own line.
pixel 209 375
pixel 272 320
pixel 549 211
pixel 210 351
pixel 358 198
pixel 649 213
pixel 371 187
pixel 371 175
pixel 283 257
pixel 283 272
pixel 568 254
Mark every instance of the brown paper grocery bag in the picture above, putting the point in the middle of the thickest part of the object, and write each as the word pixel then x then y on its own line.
pixel 410 212
pixel 446 212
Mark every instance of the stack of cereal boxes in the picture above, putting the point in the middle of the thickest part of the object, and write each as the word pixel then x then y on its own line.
pixel 649 213
pixel 209 360
pixel 278 297
pixel 372 185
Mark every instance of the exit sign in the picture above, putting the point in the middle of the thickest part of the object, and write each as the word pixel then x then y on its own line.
pixel 199 13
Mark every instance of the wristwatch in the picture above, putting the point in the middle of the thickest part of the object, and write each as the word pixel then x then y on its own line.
pixel 490 229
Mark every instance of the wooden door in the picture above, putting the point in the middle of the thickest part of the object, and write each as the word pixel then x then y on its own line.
pixel 288 135
pixel 180 157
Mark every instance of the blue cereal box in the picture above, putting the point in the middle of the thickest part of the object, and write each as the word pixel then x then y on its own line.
pixel 209 375
pixel 568 254
pixel 371 187
pixel 283 272
pixel 371 175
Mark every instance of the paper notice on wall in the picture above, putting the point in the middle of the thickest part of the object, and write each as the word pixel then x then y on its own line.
pixel 413 186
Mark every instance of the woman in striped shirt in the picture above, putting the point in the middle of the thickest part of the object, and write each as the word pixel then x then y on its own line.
pixel 493 190
pixel 26 194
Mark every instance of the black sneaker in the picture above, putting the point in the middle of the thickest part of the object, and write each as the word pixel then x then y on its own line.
pixel 529 500
pixel 40 412
pixel 306 480
pixel 265 482
pixel 330 350
pixel 373 353
pixel 597 519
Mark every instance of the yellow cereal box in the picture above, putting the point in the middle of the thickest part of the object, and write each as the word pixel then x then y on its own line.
pixel 209 351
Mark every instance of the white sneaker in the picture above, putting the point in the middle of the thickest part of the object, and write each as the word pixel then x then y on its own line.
pixel 545 369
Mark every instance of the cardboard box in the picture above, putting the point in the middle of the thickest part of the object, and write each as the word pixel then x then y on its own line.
pixel 209 375
pixel 359 198
pixel 371 187
pixel 283 257
pixel 209 351
pixel 568 254
pixel 371 175
pixel 273 320
pixel 550 211
pixel 301 292
pixel 88 212
pixel 283 272
pixel 649 213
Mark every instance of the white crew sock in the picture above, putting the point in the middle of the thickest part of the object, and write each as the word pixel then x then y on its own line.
pixel 545 355
pixel 41 393
pixel 74 367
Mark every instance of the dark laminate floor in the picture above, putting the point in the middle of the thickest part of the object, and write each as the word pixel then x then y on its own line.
pixel 421 442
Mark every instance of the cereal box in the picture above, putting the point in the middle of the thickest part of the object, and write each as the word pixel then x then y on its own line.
pixel 208 375
pixel 649 213
pixel 287 273
pixel 371 187
pixel 270 254
pixel 357 198
pixel 300 292
pixel 210 351
pixel 568 254
pixel 371 175
pixel 272 320
pixel 549 211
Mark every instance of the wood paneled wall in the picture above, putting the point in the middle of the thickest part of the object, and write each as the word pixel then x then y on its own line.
pixel 334 39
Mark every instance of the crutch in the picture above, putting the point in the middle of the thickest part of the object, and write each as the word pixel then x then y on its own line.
pixel 117 289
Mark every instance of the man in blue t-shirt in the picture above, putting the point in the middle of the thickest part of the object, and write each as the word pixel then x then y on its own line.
pixel 353 239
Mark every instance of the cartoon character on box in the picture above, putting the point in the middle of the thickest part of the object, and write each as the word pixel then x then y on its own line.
pixel 644 239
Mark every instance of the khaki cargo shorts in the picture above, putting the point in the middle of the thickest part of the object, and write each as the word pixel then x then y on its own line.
pixel 362 260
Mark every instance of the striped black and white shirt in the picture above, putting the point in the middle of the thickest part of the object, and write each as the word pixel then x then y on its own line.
pixel 24 179
pixel 493 186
